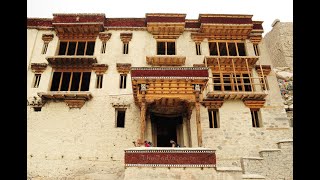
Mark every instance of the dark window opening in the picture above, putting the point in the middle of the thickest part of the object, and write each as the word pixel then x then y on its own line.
pixel 70 81
pixel 123 81
pixel 55 81
pixel 90 48
pixel 239 82
pixel 247 84
pixel 171 48
pixel 76 48
pixel 99 81
pixel 256 49
pixel 103 48
pixel 227 82
pixel 36 81
pixel 121 113
pixel 63 48
pixel 75 81
pixel 65 81
pixel 85 81
pixel 264 87
pixel 72 48
pixel 232 49
pixel 125 48
pixel 213 48
pixel 223 49
pixel 255 118
pixel 161 48
pixel 198 49
pixel 213 118
pixel 241 49
pixel 44 49
pixel 81 48
pixel 216 82
pixel 37 109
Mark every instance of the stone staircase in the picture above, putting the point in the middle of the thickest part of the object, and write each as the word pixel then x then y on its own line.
pixel 271 164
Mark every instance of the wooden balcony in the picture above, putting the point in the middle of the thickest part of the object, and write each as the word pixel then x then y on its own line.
pixel 73 99
pixel 230 63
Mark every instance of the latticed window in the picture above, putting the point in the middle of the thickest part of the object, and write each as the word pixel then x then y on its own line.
pixel 70 81
pixel 79 48
pixel 227 49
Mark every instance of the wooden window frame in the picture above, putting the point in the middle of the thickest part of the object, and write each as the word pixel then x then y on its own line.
pixel 123 81
pixel 76 49
pixel 198 48
pixel 45 48
pixel 99 81
pixel 227 46
pixel 234 81
pixel 103 47
pixel 256 118
pixel 166 47
pixel 126 48
pixel 214 117
pixel 36 80
pixel 70 80
pixel 117 119
pixel 256 49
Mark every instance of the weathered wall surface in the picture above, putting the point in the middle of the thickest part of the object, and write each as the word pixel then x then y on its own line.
pixel 71 143
pixel 279 42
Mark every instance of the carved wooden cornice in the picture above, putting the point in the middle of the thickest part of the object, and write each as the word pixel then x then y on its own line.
pixel 166 60
pixel 198 37
pixel 72 99
pixel 120 106
pixel 71 62
pixel 47 38
pixel 100 68
pixel 38 67
pixel 125 37
pixel 251 103
pixel 123 68
pixel 104 37
pixel 212 103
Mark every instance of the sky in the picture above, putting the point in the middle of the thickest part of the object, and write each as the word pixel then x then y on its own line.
pixel 262 10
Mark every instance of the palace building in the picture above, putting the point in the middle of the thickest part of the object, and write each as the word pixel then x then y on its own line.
pixel 97 87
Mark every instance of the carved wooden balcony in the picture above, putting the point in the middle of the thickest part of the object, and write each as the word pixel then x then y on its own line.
pixel 166 60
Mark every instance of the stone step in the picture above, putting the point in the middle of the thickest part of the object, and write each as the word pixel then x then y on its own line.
pixel 229 169
pixel 285 144
pixel 269 152
pixel 252 177
pixel 252 165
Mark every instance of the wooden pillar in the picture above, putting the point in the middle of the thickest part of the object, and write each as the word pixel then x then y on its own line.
pixel 142 120
pixel 143 113
pixel 198 121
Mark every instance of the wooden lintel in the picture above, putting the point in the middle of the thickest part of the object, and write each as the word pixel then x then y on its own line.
pixel 125 37
pixel 123 68
pixel 250 103
pixel 104 37
pixel 75 103
pixel 38 67
pixel 100 68
pixel 47 37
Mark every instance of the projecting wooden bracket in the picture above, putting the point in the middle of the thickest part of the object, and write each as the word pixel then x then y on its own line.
pixel 75 103
pixel 212 103
pixel 254 104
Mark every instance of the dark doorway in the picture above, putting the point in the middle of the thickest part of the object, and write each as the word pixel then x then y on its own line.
pixel 166 128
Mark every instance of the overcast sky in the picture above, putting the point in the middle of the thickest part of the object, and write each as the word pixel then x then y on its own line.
pixel 262 10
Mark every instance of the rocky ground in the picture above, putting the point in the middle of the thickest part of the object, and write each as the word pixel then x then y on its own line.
pixel 285 81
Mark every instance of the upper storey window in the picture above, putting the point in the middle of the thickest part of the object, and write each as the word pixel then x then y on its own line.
pixel 227 49
pixel 166 48
pixel 80 48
